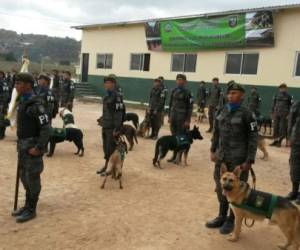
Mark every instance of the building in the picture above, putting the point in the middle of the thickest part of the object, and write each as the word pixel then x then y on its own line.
pixel 270 54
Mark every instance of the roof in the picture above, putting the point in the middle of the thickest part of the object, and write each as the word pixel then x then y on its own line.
pixel 270 8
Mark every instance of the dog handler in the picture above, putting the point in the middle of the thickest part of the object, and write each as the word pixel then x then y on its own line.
pixel 33 132
pixel 112 119
pixel 234 143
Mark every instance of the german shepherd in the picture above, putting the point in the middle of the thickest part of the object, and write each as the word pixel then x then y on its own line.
pixel 133 117
pixel 116 162
pixel 263 123
pixel 285 214
pixel 144 129
pixel 130 133
pixel 262 147
pixel 169 142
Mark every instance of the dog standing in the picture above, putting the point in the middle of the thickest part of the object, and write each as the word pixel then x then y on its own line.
pixel 130 133
pixel 256 205
pixel 68 118
pixel 59 135
pixel 133 117
pixel 116 162
pixel 179 144
pixel 261 145
pixel 144 129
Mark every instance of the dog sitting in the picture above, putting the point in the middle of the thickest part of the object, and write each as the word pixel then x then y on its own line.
pixel 144 129
pixel 178 144
pixel 130 133
pixel 133 117
pixel 248 203
pixel 68 118
pixel 116 162
pixel 59 135
pixel 261 144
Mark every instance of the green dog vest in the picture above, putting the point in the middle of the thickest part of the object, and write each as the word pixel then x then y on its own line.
pixel 260 203
pixel 58 132
pixel 182 140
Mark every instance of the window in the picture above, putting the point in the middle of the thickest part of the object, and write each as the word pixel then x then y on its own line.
pixel 140 62
pixel 104 61
pixel 297 70
pixel 184 62
pixel 244 63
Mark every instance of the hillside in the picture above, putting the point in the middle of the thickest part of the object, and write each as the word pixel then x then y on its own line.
pixel 56 49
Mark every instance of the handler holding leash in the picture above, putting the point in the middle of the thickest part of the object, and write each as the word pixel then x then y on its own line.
pixel 112 119
pixel 234 143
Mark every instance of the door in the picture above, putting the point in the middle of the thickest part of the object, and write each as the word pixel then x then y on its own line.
pixel 85 67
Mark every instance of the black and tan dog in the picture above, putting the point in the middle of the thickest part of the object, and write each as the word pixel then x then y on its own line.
pixel 261 144
pixel 144 129
pixel 116 161
pixel 248 203
pixel 133 117
pixel 59 135
pixel 264 123
pixel 130 133
pixel 180 145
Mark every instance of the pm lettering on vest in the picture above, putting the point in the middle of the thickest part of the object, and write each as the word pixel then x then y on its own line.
pixel 43 119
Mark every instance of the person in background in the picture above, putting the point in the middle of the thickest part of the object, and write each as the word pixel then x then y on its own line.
pixel 67 92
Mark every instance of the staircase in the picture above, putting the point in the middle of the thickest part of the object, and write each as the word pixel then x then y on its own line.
pixel 85 90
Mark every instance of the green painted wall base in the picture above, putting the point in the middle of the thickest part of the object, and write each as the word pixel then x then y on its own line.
pixel 138 90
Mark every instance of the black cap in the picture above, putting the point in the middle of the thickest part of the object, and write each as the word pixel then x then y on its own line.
pixel 158 80
pixel 45 77
pixel 283 85
pixel 110 78
pixel 161 78
pixel 232 85
pixel 202 82
pixel 25 77
pixel 181 76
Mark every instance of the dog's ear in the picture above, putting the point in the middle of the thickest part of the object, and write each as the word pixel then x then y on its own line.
pixel 223 169
pixel 237 171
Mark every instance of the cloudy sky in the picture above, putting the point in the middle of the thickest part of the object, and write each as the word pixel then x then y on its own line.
pixel 55 17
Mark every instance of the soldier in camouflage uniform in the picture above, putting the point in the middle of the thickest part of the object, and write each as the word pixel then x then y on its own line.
pixel 56 85
pixel 33 132
pixel 254 101
pixel 214 98
pixel 282 103
pixel 67 91
pixel 48 96
pixel 156 106
pixel 202 94
pixel 181 107
pixel 234 143
pixel 112 119
pixel 294 139
pixel 4 100
pixel 165 90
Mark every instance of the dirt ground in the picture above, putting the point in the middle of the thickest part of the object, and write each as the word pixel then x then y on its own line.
pixel 157 209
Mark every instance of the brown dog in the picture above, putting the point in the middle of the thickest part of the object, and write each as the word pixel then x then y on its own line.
pixel 256 205
pixel 116 161
pixel 144 129
pixel 130 133
pixel 262 147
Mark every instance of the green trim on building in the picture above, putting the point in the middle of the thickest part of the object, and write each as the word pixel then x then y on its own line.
pixel 138 89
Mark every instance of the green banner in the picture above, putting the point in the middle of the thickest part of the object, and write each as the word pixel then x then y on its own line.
pixel 204 33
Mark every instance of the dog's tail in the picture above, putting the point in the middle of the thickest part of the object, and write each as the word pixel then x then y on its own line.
pixel 156 154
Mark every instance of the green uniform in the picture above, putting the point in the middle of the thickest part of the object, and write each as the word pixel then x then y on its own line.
pixel 254 102
pixel 213 103
pixel 67 94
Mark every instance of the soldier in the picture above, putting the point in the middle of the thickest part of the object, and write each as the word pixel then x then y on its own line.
pixel 33 131
pixel 4 100
pixel 156 106
pixel 56 84
pixel 214 98
pixel 48 96
pixel 68 91
pixel 202 96
pixel 165 90
pixel 181 107
pixel 282 102
pixel 112 119
pixel 294 139
pixel 254 101
pixel 234 143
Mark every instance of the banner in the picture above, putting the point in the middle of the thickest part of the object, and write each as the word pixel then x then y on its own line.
pixel 203 33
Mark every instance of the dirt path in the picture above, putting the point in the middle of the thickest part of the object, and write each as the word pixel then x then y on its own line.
pixel 158 209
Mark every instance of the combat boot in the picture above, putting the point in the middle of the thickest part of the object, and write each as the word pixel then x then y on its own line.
pixel 221 218
pixel 228 225
pixel 18 212
pixel 103 169
pixel 294 194
pixel 27 215
pixel 297 201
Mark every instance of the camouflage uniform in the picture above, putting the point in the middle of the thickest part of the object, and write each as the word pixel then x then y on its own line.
pixel 56 87
pixel 202 97
pixel 33 131
pixel 4 100
pixel 181 108
pixel 67 94
pixel 281 106
pixel 214 98
pixel 156 105
pixel 254 102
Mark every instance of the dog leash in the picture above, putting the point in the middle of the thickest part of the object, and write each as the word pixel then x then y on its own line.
pixel 253 187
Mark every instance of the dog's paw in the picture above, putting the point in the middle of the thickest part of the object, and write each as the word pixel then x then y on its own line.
pixel 232 238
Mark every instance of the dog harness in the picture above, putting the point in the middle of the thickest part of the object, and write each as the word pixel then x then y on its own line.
pixel 182 140
pixel 58 132
pixel 259 202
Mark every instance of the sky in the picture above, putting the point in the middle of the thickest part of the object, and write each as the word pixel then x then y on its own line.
pixel 55 17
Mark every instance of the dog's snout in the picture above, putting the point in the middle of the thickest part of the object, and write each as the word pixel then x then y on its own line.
pixel 227 186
